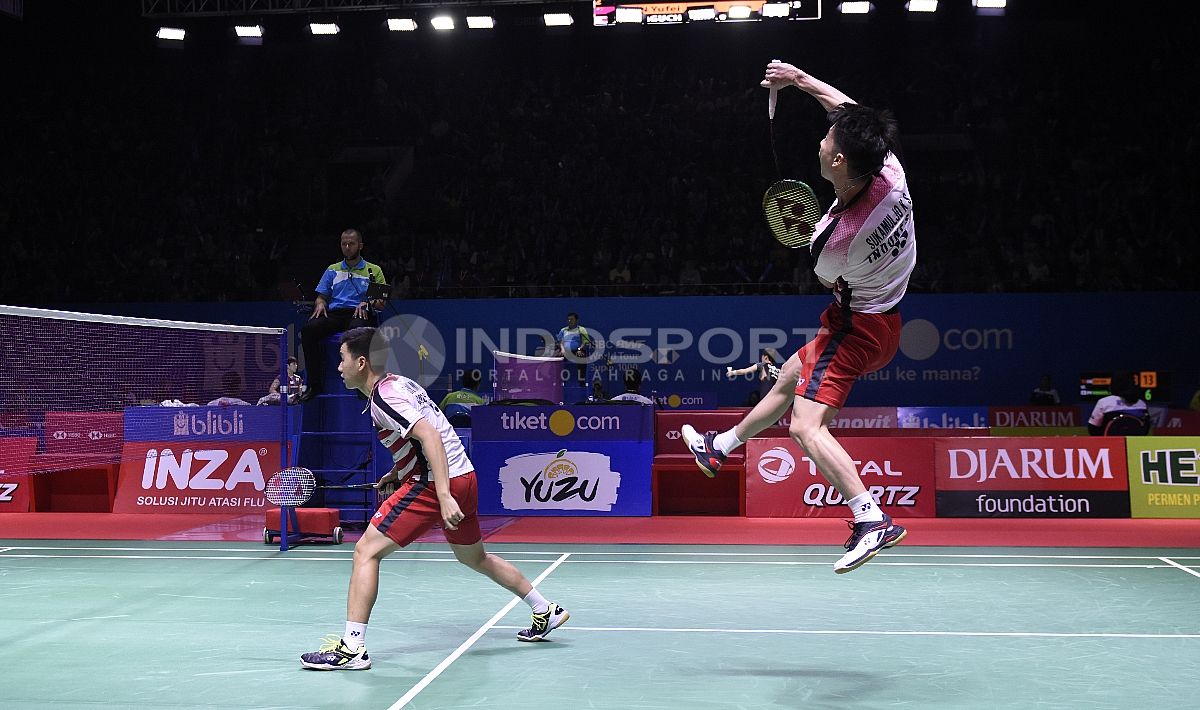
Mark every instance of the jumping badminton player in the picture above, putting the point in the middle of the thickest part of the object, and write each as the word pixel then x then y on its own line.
pixel 864 249
pixel 438 484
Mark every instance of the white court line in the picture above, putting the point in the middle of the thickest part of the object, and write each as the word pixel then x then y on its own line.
pixel 778 563
pixel 260 670
pixel 437 671
pixel 265 552
pixel 859 632
pixel 94 618
pixel 1190 571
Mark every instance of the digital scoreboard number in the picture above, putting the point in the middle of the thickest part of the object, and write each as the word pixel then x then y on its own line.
pixel 607 13
pixel 1152 385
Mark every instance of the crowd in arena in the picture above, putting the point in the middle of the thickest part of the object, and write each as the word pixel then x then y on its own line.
pixel 613 166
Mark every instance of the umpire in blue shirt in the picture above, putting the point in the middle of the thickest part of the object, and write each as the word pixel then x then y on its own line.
pixel 341 304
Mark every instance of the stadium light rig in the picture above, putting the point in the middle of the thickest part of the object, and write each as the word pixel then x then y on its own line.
pixel 558 19
pixel 170 34
pixel 401 24
pixel 323 28
pixel 442 23
pixel 854 8
pixel 480 22
pixel 921 5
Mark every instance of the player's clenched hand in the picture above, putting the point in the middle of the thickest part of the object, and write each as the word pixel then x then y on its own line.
pixel 780 75
pixel 388 478
pixel 452 515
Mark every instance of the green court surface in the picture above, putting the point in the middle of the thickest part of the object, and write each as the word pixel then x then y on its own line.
pixel 220 625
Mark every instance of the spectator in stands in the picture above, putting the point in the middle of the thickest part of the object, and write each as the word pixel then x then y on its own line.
pixel 598 394
pixel 457 405
pixel 1125 401
pixel 341 304
pixel 1044 393
pixel 633 385
pixel 295 385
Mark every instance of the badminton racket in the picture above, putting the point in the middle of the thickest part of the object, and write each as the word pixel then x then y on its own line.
pixel 792 212
pixel 295 486
pixel 791 208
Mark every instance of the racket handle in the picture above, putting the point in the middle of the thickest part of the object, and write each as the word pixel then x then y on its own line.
pixel 772 99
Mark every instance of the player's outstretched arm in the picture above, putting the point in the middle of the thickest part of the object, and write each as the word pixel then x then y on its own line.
pixel 781 74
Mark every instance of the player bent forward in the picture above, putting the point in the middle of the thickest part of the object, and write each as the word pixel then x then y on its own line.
pixel 438 483
pixel 864 249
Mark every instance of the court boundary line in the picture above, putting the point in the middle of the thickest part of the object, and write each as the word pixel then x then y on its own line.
pixel 266 551
pixel 863 632
pixel 268 556
pixel 1175 564
pixel 465 645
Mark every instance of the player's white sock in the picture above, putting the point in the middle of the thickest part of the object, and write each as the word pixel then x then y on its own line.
pixel 537 602
pixel 727 441
pixel 864 508
pixel 355 636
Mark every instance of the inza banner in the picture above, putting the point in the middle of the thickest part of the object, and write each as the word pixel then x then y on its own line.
pixel 584 478
pixel 195 424
pixel 1032 477
pixel 781 481
pixel 15 453
pixel 1164 476
pixel 195 477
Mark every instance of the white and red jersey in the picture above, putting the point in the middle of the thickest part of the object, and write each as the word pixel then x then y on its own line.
pixel 397 403
pixel 870 243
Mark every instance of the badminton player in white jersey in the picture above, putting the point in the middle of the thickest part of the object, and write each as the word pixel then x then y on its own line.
pixel 437 482
pixel 864 249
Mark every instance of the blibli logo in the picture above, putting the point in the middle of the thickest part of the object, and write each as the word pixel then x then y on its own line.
pixel 208 424
pixel 560 422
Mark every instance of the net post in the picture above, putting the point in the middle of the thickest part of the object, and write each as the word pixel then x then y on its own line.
pixel 284 431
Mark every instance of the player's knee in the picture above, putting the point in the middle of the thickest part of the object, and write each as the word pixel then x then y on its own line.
pixel 803 432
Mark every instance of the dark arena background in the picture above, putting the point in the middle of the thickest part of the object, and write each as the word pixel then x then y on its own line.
pixel 184 188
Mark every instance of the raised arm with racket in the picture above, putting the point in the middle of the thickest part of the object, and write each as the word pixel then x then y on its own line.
pixel 790 206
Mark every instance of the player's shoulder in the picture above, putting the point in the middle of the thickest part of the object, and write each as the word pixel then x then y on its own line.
pixel 335 266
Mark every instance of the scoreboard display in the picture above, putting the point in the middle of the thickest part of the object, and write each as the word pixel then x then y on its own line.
pixel 608 12
pixel 1153 385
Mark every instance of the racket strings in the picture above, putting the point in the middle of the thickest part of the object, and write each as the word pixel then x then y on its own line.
pixel 291 486
pixel 792 212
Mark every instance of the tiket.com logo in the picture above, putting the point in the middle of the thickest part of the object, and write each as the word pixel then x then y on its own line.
pixel 775 465
pixel 208 424
pixel 560 422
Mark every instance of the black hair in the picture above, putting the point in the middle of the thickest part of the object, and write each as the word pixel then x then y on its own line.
pixel 1125 386
pixel 355 232
pixel 358 341
pixel 471 378
pixel 633 379
pixel 573 313
pixel 864 136
pixel 292 360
